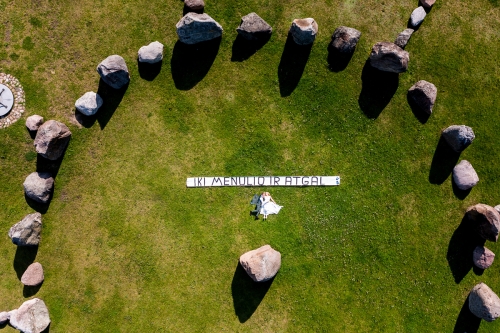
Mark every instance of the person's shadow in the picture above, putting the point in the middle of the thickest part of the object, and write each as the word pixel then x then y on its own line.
pixel 190 63
pixel 292 64
pixel 466 321
pixel 247 294
pixel 443 162
pixel 378 88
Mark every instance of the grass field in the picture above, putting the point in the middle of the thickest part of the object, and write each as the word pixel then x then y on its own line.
pixel 126 247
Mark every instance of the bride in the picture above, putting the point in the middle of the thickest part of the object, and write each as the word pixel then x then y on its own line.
pixel 268 205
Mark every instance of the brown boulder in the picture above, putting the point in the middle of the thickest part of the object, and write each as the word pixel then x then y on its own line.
pixel 485 221
pixel 483 257
pixel 261 264
pixel 484 303
pixel 389 57
pixel 51 139
pixel 33 276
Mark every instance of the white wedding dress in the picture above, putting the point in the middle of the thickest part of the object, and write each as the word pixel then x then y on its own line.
pixel 268 207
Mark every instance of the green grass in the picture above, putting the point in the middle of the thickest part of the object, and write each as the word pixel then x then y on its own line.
pixel 126 247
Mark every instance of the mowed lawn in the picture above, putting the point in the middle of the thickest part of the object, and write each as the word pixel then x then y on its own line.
pixel 126 247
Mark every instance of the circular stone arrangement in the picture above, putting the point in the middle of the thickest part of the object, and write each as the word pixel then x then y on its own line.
pixel 11 99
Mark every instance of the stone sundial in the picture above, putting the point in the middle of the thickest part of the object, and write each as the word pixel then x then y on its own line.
pixel 6 100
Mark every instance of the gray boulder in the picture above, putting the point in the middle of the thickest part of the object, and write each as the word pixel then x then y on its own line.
pixel 31 317
pixel 114 72
pixel 484 303
pixel 261 264
pixel 194 5
pixel 403 38
pixel 33 276
pixel 27 231
pixel 458 137
pixel 485 221
pixel 345 39
pixel 497 208
pixel 151 53
pixel 389 57
pixel 483 257
pixel 464 175
pixel 52 139
pixel 417 16
pixel 304 31
pixel 195 28
pixel 89 103
pixel 423 94
pixel 253 27
pixel 34 122
pixel 4 317
pixel 427 3
pixel 39 186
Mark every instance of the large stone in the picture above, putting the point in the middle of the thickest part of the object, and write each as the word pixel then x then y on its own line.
pixel 34 122
pixel 417 16
pixel 304 31
pixel 33 276
pixel 345 39
pixel 39 186
pixel 403 38
pixel 464 175
pixel 261 264
pixel 52 139
pixel 389 57
pixel 458 137
pixel 253 27
pixel 89 103
pixel 497 208
pixel 114 72
pixel 151 53
pixel 4 317
pixel 31 317
pixel 485 220
pixel 423 94
pixel 483 257
pixel 27 231
pixel 484 303
pixel 195 28
pixel 194 5
pixel 427 3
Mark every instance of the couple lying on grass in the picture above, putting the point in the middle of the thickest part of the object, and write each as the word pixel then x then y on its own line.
pixel 265 205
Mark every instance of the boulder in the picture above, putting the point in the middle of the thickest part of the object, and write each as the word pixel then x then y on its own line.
pixel 483 257
pixel 261 264
pixel 89 103
pixel 485 220
pixel 389 57
pixel 195 28
pixel 31 317
pixel 464 175
pixel 345 39
pixel 39 186
pixel 304 31
pixel 497 208
pixel 484 303
pixel 423 94
pixel 114 72
pixel 253 27
pixel 194 5
pixel 4 317
pixel 33 276
pixel 151 53
pixel 34 122
pixel 458 137
pixel 403 38
pixel 417 16
pixel 52 139
pixel 427 3
pixel 27 231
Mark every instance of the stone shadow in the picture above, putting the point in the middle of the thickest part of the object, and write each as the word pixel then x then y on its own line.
pixel 292 64
pixel 186 10
pixel 149 71
pixel 31 291
pixel 443 162
pixel 378 88
pixel 111 100
pixel 191 63
pixel 460 194
pixel 421 116
pixel 42 208
pixel 244 48
pixel 466 321
pixel 337 61
pixel 462 244
pixel 52 166
pixel 247 294
pixel 85 121
pixel 25 256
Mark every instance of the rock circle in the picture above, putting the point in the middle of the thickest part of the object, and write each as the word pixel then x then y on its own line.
pixel 464 175
pixel 484 303
pixel 261 264
pixel 39 186
pixel 304 31
pixel 89 103
pixel 19 100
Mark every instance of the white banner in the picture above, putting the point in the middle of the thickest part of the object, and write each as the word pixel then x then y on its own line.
pixel 263 181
